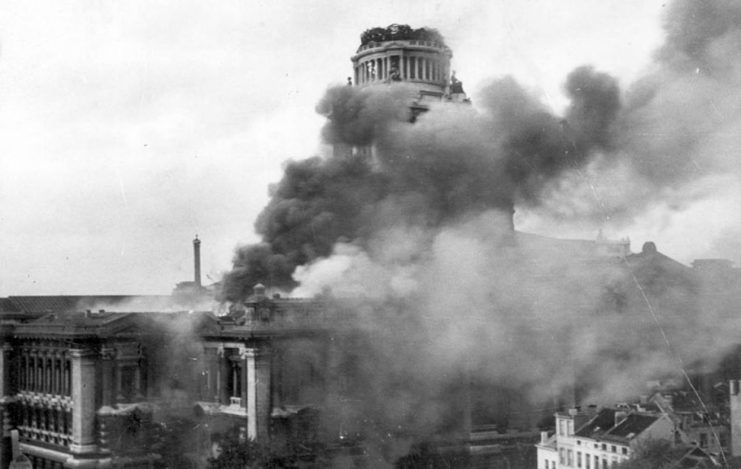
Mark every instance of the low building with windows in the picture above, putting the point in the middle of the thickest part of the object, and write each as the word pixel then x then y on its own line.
pixel 600 439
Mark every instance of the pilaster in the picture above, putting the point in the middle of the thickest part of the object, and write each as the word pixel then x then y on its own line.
pixel 6 388
pixel 83 397
pixel 6 363
pixel 257 366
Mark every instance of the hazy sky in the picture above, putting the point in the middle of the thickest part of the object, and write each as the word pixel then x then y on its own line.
pixel 128 127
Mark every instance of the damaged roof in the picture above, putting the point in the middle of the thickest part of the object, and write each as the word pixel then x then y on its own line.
pixel 603 427
pixel 630 427
pixel 603 421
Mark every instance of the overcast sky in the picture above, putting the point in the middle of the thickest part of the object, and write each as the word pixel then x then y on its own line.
pixel 128 127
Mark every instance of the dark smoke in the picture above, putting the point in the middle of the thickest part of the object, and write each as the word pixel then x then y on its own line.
pixel 317 202
pixel 452 162
pixel 674 139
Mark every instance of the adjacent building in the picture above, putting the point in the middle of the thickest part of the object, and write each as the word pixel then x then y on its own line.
pixel 600 439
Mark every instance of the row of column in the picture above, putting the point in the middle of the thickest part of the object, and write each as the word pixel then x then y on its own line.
pixel 244 374
pixel 45 371
pixel 55 420
pixel 42 463
pixel 215 377
pixel 70 372
pixel 406 68
pixel 121 378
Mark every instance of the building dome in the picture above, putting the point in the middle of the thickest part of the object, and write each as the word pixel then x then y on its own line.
pixel 400 53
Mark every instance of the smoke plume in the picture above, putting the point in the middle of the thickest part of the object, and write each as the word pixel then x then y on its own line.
pixel 421 224
pixel 454 161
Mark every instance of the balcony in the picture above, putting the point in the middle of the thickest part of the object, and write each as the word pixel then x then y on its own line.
pixel 235 402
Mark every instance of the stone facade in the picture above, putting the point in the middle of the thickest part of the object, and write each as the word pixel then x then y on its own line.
pixel 95 389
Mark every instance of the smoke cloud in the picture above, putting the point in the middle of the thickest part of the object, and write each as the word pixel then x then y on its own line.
pixel 420 227
pixel 454 161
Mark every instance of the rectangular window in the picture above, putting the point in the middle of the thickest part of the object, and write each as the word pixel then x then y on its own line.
pixel 561 456
pixel 570 458
pixel 587 461
pixel 614 449
pixel 604 463
pixel 625 450
pixel 546 464
pixel 604 447
pixel 578 459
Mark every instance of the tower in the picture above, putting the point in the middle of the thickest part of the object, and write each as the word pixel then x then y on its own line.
pixel 197 262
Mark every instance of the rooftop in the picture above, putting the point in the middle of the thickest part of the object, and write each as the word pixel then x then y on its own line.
pixel 603 421
pixel 65 303
pixel 630 427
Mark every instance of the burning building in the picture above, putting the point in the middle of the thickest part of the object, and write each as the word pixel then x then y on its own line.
pixel 416 314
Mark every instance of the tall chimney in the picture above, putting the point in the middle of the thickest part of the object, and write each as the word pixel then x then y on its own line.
pixel 197 260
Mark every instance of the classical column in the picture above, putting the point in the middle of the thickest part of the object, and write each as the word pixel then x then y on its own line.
pixel 6 363
pixel 257 364
pixel 26 370
pixel 276 378
pixel 34 370
pixel 48 359
pixel 67 375
pixel 83 397
pixel 222 391
pixel 55 373
pixel 138 383
pixel 107 354
pixel 119 383
pixel 40 363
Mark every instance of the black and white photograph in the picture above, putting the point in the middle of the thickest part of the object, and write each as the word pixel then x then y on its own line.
pixel 389 234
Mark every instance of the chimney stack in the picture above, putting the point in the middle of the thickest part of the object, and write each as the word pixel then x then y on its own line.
pixel 197 260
